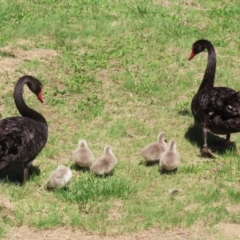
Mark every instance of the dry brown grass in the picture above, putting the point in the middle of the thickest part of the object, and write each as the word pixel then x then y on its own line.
pixel 221 231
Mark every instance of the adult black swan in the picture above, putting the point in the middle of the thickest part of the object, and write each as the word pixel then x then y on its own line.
pixel 215 108
pixel 22 138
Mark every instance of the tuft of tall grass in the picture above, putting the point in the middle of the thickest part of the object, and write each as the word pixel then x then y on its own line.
pixel 91 188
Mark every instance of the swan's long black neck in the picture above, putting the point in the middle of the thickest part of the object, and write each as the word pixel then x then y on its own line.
pixel 209 75
pixel 24 110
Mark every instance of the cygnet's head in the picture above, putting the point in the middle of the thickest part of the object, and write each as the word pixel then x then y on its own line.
pixel 172 145
pixel 108 149
pixel 82 143
pixel 161 137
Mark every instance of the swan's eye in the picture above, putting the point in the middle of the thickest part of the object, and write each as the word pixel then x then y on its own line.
pixel 230 107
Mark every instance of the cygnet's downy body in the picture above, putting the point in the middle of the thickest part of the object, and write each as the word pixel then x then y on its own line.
pixel 59 178
pixel 83 156
pixel 170 159
pixel 152 151
pixel 106 163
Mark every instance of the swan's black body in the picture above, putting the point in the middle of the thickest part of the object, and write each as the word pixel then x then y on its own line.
pixel 22 138
pixel 215 108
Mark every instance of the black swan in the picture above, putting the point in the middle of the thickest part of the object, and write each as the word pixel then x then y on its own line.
pixel 215 108
pixel 22 138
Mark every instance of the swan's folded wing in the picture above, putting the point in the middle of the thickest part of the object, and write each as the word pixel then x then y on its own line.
pixel 223 125
pixel 9 146
pixel 220 100
pixel 10 138
pixel 16 141
pixel 231 105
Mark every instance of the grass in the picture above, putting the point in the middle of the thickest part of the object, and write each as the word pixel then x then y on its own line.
pixel 116 72
pixel 89 188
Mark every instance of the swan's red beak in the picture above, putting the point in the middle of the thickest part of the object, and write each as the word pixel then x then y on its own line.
pixel 40 97
pixel 191 55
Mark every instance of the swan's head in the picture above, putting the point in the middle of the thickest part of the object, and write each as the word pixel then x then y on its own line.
pixel 36 87
pixel 39 95
pixel 197 47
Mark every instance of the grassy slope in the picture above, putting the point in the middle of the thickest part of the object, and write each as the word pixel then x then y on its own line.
pixel 120 76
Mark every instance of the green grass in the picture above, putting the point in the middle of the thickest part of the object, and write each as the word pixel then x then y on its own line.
pixel 89 188
pixel 116 72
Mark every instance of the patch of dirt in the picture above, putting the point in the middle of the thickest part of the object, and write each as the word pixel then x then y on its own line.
pixel 186 4
pixel 114 211
pixel 40 54
pixel 29 55
pixel 10 64
pixel 6 208
pixel 5 202
pixel 161 3
pixel 220 231
pixel 103 76
pixel 233 208
pixel 229 230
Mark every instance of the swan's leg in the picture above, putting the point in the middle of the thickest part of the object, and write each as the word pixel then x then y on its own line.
pixel 228 142
pixel 25 172
pixel 205 137
pixel 205 152
pixel 228 137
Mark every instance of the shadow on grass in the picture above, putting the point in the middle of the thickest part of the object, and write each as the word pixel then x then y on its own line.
pixel 167 172
pixel 185 112
pixel 15 174
pixel 104 175
pixel 216 143
pixel 65 188
pixel 149 164
pixel 76 167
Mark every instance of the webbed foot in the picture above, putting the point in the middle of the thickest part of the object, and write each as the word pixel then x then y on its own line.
pixel 206 153
pixel 228 143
